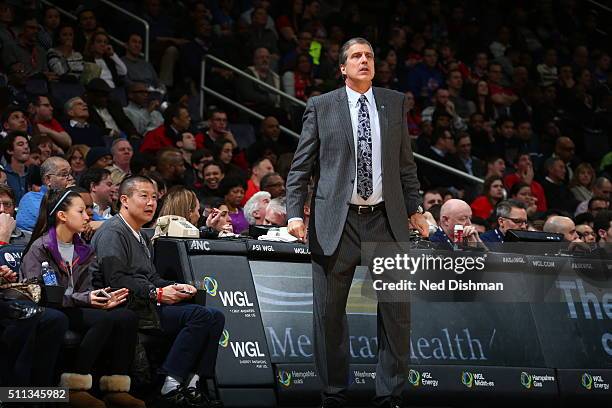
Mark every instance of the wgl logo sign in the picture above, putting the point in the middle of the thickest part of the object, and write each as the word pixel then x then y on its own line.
pixel 526 380
pixel 211 286
pixel 224 340
pixel 284 378
pixel 246 349
pixel 414 377
pixel 467 379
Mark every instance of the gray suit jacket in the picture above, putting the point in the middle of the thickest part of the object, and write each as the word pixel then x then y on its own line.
pixel 326 152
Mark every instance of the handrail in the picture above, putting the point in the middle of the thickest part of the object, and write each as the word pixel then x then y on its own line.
pixel 252 78
pixel 75 18
pixel 135 17
pixel 448 168
pixel 601 6
pixel 246 110
pixel 290 132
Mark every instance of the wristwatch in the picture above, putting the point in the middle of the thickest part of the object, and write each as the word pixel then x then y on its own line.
pixel 153 294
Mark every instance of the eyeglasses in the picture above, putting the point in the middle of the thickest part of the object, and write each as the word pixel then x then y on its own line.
pixel 7 204
pixel 62 175
pixel 517 221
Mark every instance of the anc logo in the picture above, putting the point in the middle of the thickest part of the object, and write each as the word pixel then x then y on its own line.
pixel 414 377
pixel 526 380
pixel 587 381
pixel 211 285
pixel 224 338
pixel 284 378
pixel 467 379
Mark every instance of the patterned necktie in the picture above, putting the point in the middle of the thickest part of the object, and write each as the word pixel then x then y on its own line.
pixel 364 151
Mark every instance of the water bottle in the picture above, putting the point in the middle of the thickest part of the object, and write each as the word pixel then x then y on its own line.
pixel 48 274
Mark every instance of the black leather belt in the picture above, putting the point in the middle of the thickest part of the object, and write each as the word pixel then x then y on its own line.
pixel 367 209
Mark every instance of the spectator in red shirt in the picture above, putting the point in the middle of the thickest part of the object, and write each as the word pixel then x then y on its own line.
pixel 501 96
pixel 176 121
pixel 42 117
pixel 524 173
pixel 493 190
pixel 259 169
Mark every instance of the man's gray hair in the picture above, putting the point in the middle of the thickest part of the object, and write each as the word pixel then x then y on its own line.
pixel 70 102
pixel 349 44
pixel 50 166
pixel 278 205
pixel 600 181
pixel 504 208
pixel 251 205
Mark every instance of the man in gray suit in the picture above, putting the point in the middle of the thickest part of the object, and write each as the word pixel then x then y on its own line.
pixel 355 145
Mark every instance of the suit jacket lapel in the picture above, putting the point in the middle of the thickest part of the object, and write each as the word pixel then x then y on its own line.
pixel 345 119
pixel 383 122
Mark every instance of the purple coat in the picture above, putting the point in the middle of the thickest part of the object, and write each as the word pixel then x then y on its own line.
pixel 45 249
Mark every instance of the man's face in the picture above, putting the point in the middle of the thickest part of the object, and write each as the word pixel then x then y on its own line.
pixel 79 110
pixel 261 60
pixel 88 204
pixel 226 153
pixel 30 31
pixel 523 131
pixel 506 130
pixel 276 186
pixel 442 97
pixel 87 20
pixel 274 218
pixel 21 149
pixel 218 122
pixel 455 81
pixel 44 109
pixel 597 206
pixel 446 142
pixel 60 177
pixel 516 220
pixel 464 147
pixel 557 171
pixel 604 191
pixel 102 191
pixel 134 45
pixel 270 128
pixel 178 165
pixel 568 229
pixel 461 216
pixel 477 122
pixel 259 17
pixel 495 73
pixel 139 94
pixel 45 150
pixel 524 162
pixel 141 204
pixel 359 66
pixel 333 52
pixel 431 199
pixel 430 58
pixel 605 235
pixel 52 19
pixel 304 40
pixel 498 167
pixel 7 206
pixel 182 121
pixel 188 142
pixel 565 150
pixel 16 121
pixel 264 167
pixel 123 153
pixel 260 211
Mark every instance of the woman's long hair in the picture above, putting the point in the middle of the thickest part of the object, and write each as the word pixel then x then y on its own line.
pixel 52 202
pixel 179 201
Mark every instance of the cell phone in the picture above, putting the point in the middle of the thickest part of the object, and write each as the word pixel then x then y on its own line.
pixel 104 293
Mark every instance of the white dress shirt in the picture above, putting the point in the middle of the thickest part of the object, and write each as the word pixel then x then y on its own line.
pixel 353 101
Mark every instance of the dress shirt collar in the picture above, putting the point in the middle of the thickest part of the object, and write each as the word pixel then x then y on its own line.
pixel 353 97
pixel 74 123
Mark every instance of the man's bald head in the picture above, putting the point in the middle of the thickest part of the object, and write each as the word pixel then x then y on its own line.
pixel 454 212
pixel 561 225
pixel 565 148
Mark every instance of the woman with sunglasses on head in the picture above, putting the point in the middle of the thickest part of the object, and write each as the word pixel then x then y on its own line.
pixel 96 314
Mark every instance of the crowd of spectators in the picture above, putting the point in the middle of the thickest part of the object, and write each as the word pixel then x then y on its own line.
pixel 517 94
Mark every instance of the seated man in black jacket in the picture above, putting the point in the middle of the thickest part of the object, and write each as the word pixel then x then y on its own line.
pixel 124 260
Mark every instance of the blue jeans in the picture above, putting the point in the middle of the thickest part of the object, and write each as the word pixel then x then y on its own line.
pixel 197 330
